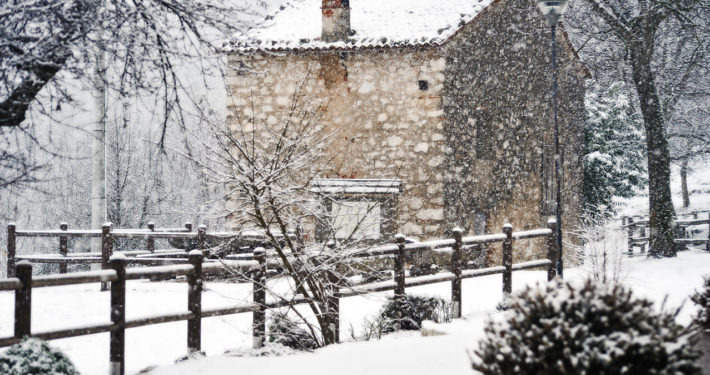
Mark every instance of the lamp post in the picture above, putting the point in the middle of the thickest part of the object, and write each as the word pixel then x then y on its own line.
pixel 553 10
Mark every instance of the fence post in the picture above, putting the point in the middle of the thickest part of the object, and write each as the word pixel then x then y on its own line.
pixel 642 234
pixel 188 226
pixel 11 248
pixel 400 277
pixel 508 260
pixel 552 249
pixel 151 241
pixel 23 300
pixel 118 316
pixel 259 284
pixel 106 250
pixel 194 302
pixel 456 299
pixel 707 244
pixel 201 231
pixel 63 247
pixel 399 272
pixel 630 231
pixel 334 307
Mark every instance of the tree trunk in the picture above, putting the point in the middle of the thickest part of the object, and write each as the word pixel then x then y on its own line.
pixel 684 182
pixel 659 159
pixel 98 154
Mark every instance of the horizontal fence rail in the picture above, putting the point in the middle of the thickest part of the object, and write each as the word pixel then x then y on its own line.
pixel 637 232
pixel 150 256
pixel 197 267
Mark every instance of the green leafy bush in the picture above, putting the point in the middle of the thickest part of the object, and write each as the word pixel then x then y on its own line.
pixel 702 299
pixel 590 329
pixel 35 357
pixel 415 310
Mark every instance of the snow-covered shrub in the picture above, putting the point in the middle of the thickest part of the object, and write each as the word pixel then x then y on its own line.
pixel 601 246
pixel 415 310
pixel 702 299
pixel 35 357
pixel 587 329
pixel 270 349
pixel 284 331
pixel 505 303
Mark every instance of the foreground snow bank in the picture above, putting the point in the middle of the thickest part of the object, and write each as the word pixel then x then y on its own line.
pixel 413 354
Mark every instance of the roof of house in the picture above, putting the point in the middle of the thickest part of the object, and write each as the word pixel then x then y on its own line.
pixel 376 24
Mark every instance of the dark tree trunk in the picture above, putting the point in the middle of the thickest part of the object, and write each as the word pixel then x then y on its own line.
pixel 14 108
pixel 659 158
pixel 684 182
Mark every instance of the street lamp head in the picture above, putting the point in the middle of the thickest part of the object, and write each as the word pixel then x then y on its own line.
pixel 552 10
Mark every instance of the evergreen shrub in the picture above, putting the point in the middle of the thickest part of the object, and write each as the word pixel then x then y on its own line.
pixel 415 310
pixel 35 357
pixel 587 329
pixel 702 299
pixel 284 331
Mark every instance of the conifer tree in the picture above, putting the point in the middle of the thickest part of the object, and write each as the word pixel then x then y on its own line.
pixel 614 156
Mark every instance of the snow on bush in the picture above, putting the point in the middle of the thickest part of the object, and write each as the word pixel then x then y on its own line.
pixel 270 349
pixel 284 331
pixel 415 310
pixel 35 357
pixel 586 329
pixel 702 299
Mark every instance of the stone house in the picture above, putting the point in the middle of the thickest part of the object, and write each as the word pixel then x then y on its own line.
pixel 449 101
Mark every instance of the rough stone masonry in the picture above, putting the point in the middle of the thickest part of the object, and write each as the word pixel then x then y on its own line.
pixel 461 119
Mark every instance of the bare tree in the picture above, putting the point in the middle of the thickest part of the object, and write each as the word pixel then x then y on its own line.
pixel 145 46
pixel 635 40
pixel 268 170
pixel 601 247
pixel 146 40
pixel 690 136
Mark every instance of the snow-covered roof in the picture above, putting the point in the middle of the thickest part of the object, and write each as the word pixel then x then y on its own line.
pixel 375 23
pixel 356 186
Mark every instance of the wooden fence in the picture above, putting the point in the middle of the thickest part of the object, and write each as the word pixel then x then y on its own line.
pixel 108 235
pixel 637 231
pixel 117 274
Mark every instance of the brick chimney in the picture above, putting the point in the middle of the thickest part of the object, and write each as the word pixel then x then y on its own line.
pixel 336 20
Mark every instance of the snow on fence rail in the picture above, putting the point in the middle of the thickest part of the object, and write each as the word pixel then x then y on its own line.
pixel 149 256
pixel 639 225
pixel 107 235
pixel 117 274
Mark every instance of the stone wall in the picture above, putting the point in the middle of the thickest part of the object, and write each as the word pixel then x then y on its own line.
pixel 383 124
pixel 497 105
pixel 463 125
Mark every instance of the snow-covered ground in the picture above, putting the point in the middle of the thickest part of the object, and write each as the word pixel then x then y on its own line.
pixel 407 352
pixel 698 186
pixel 410 353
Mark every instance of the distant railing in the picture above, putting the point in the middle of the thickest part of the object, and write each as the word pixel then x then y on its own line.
pixel 196 269
pixel 108 235
pixel 637 231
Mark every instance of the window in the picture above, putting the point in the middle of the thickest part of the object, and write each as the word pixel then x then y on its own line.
pixel 358 209
pixel 485 136
pixel 356 220
pixel 479 223
pixel 423 85
pixel 547 177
